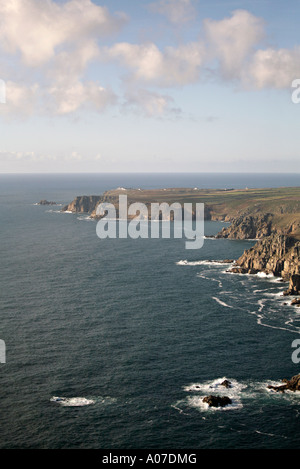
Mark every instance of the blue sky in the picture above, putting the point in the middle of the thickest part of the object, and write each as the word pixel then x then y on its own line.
pixel 157 85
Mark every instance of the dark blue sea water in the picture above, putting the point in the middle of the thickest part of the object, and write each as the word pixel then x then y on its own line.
pixel 143 328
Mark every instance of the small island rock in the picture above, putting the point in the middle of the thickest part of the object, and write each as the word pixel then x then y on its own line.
pixel 46 202
pixel 217 401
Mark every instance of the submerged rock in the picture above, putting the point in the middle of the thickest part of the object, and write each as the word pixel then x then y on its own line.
pixel 217 401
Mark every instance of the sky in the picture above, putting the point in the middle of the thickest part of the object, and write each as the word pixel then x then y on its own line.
pixel 149 86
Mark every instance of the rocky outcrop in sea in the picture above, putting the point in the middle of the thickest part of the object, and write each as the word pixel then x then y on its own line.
pixel 217 401
pixel 46 202
pixel 292 384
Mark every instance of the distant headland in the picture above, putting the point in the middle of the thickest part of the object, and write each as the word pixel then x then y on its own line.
pixel 269 216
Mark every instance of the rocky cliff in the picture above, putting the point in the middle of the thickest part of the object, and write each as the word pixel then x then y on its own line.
pixel 248 226
pixel 276 254
pixel 277 250
pixel 270 215
pixel 89 204
pixel 83 204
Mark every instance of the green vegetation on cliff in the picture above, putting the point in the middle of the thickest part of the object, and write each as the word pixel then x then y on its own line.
pixel 253 213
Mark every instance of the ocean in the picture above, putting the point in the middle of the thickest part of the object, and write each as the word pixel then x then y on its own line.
pixel 112 344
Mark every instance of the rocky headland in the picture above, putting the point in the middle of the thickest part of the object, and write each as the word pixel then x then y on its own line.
pixel 271 217
pixel 83 204
pixel 275 254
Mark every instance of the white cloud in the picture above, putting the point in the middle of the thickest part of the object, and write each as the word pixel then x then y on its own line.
pixel 177 11
pixel 150 104
pixel 51 45
pixel 227 47
pixel 236 43
pixel 37 28
pixel 25 156
pixel 57 42
pixel 171 67
pixel 62 98
pixel 232 40
pixel 273 68
pixel 21 99
pixel 69 65
pixel 66 99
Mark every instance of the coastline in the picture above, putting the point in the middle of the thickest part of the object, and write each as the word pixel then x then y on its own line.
pixel 271 217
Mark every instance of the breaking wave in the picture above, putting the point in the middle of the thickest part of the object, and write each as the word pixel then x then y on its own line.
pixel 72 401
pixel 238 392
pixel 222 303
pixel 203 262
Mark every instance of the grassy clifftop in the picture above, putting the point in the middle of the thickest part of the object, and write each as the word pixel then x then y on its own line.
pixel 281 205
pixel 253 212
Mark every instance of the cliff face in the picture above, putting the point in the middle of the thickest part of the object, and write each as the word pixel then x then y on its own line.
pixel 276 254
pixel 88 204
pixel 248 227
pixel 83 204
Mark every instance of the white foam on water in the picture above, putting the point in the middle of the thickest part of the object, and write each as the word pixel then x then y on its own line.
pixel 275 295
pixel 185 262
pixel 237 392
pixel 216 384
pixel 215 387
pixel 72 401
pixel 85 218
pixel 222 303
pixel 210 279
pixel 278 280
pixel 203 262
pixel 261 304
pixel 262 388
pixel 264 275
